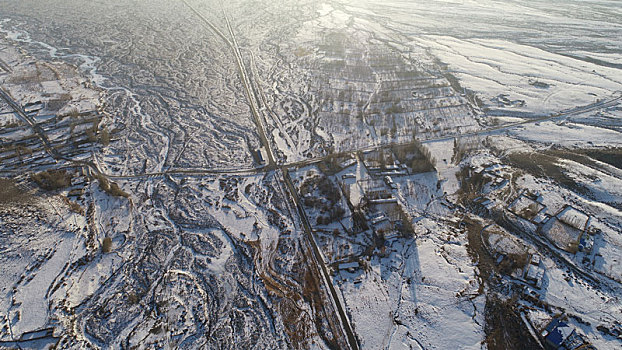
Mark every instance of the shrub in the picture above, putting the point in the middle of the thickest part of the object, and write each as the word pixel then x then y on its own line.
pixel 104 185
pixel 133 298
pixel 105 137
pixel 21 151
pixel 9 192
pixel 110 187
pixel 90 135
pixel 74 113
pixel 321 220
pixel 52 179
pixel 73 206
pixel 116 191
pixel 107 245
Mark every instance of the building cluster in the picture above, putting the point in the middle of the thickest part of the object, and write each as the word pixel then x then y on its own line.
pixel 567 230
pixel 559 335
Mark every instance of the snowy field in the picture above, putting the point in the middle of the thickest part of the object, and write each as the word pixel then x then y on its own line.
pixel 260 189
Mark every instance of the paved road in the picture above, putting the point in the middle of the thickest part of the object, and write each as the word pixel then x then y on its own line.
pixel 297 164
pixel 252 97
pixel 254 104
pixel 574 111
pixel 345 321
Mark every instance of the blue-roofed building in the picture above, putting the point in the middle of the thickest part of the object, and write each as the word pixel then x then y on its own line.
pixel 556 333
pixel 559 335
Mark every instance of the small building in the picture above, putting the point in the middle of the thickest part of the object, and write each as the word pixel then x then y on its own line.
pixel 540 218
pixel 389 181
pixel 378 218
pixel 33 107
pixel 535 260
pixel 502 184
pixel 534 275
pixel 260 158
pixel 496 169
pixel 532 295
pixel 258 155
pixel 499 258
pixel 374 189
pixel 556 333
pixel 390 200
pixel 391 234
pixel 350 267
pixel 586 243
pixel 489 204
pixel 38 334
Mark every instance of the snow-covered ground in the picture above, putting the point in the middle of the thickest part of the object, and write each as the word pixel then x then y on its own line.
pixel 36 249
pixel 421 294
pixel 569 134
pixel 546 82
pixel 209 249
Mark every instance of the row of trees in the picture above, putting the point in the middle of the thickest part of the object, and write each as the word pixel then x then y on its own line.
pixel 93 134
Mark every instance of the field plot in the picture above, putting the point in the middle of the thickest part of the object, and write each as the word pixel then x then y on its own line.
pixel 337 87
pixel 521 80
pixel 44 236
pixel 47 109
pixel 526 207
pixel 562 235
pixel 523 65
pixel 370 92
